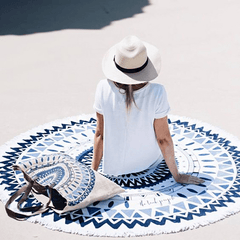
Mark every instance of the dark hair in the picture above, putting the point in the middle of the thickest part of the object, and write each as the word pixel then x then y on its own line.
pixel 128 91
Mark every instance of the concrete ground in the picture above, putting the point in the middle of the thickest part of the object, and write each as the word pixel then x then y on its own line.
pixel 50 64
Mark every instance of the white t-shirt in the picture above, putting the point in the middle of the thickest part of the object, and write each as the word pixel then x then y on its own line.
pixel 129 138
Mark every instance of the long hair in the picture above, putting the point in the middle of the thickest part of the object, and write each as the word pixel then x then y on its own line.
pixel 128 91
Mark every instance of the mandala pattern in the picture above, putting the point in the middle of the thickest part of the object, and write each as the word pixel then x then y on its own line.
pixel 153 202
pixel 74 181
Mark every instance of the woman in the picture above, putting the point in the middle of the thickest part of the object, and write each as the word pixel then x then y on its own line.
pixel 132 131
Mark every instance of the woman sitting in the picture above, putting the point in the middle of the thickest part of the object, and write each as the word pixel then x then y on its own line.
pixel 132 131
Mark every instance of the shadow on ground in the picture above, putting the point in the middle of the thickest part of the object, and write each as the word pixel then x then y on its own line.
pixel 29 16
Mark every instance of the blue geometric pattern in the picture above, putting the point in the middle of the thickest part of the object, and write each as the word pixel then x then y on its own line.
pixel 153 202
pixel 132 180
pixel 73 180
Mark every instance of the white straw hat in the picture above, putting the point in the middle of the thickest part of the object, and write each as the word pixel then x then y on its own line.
pixel 132 61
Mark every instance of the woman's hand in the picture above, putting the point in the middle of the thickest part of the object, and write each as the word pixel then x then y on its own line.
pixel 165 143
pixel 188 179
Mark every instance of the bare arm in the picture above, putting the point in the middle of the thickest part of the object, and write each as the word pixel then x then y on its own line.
pixel 165 143
pixel 98 143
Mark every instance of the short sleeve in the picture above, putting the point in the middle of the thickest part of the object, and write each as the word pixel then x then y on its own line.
pixel 162 106
pixel 98 99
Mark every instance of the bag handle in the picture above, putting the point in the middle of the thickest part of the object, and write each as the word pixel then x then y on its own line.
pixel 26 189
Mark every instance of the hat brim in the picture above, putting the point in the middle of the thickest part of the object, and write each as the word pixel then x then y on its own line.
pixel 149 73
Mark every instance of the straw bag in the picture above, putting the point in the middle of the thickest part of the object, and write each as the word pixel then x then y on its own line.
pixel 66 184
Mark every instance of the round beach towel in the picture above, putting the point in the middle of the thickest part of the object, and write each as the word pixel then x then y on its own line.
pixel 153 202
